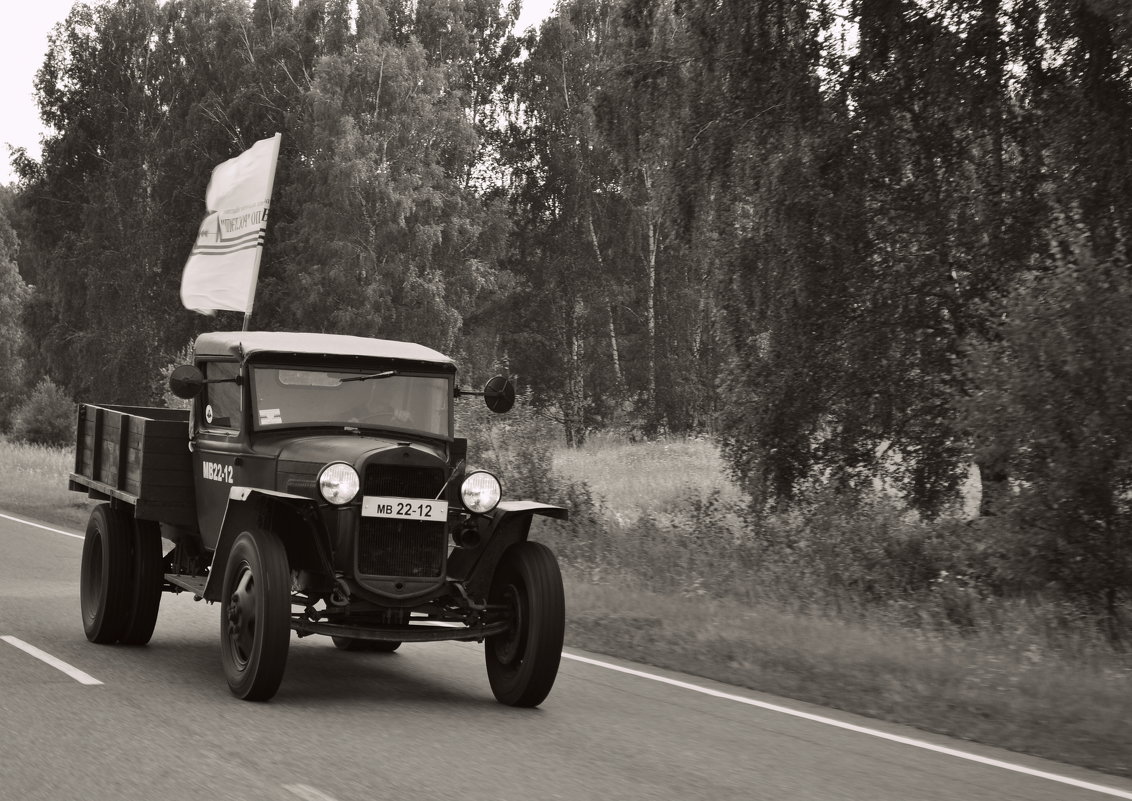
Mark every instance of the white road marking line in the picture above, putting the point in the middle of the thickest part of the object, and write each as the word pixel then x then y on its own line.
pixel 58 664
pixel 307 793
pixel 310 794
pixel 45 528
pixel 896 738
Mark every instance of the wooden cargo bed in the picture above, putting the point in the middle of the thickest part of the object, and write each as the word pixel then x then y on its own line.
pixel 138 455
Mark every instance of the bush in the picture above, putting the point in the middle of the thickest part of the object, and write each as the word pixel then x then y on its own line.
pixel 47 417
pixel 1053 401
pixel 161 384
pixel 518 447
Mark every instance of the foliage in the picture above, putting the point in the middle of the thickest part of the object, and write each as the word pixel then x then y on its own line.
pixel 46 417
pixel 852 557
pixel 14 295
pixel 1054 405
pixel 387 239
pixel 797 226
pixel 518 447
pixel 162 389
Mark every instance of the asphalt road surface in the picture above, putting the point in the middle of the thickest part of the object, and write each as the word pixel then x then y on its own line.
pixel 422 723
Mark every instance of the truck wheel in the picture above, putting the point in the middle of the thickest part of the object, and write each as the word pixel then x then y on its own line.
pixel 255 615
pixel 105 590
pixel 148 568
pixel 370 646
pixel 522 662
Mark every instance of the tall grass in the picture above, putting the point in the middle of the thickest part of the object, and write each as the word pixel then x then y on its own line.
pixel 670 521
pixel 35 484
pixel 632 479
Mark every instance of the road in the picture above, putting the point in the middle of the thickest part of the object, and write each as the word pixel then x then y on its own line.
pixel 422 723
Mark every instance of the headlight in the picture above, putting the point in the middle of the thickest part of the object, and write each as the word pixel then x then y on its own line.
pixel 338 483
pixel 481 492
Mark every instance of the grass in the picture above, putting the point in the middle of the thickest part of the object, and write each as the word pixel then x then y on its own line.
pixel 1015 696
pixel 632 479
pixel 1027 677
pixel 35 485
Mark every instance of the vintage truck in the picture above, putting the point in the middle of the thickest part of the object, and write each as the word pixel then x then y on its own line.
pixel 316 485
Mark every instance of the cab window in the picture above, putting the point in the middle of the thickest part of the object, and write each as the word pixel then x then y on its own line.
pixel 365 397
pixel 221 402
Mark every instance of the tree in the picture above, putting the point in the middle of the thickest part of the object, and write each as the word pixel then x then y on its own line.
pixel 767 194
pixel 14 294
pixel 569 246
pixel 1053 403
pixel 386 237
pixel 93 234
pixel 642 113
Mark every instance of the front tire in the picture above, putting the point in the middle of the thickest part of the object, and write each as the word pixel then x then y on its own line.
pixel 522 663
pixel 255 615
pixel 105 586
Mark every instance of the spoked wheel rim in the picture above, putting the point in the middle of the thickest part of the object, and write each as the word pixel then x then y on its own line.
pixel 242 615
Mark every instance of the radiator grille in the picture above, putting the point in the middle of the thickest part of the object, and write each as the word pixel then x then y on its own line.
pixel 407 548
pixel 403 482
pixel 401 548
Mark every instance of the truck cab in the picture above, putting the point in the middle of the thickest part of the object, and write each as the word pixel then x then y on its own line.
pixel 329 495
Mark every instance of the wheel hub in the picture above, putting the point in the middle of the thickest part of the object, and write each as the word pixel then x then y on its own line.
pixel 92 587
pixel 242 616
pixel 508 646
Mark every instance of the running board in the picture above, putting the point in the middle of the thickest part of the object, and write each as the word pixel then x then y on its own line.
pixel 193 584
pixel 418 633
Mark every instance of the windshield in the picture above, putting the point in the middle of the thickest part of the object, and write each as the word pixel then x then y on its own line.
pixel 290 396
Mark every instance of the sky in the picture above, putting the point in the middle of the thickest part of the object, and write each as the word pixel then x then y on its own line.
pixel 23 43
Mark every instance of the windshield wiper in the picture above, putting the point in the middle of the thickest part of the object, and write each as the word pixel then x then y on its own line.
pixel 386 374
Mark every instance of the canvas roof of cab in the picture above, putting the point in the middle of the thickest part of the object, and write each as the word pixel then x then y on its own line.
pixel 242 344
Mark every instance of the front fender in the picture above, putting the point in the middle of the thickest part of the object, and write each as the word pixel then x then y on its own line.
pixel 507 508
pixel 509 524
pixel 295 519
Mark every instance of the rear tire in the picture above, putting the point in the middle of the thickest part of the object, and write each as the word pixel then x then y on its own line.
pixel 148 567
pixel 105 587
pixel 367 646
pixel 255 615
pixel 522 663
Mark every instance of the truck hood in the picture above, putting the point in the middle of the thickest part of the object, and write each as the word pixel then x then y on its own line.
pixel 341 448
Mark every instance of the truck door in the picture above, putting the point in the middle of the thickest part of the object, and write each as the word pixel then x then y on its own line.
pixel 217 444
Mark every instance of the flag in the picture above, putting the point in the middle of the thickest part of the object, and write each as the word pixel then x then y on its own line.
pixel 223 268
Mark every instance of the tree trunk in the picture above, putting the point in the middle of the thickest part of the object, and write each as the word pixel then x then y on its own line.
pixel 615 356
pixel 651 226
pixel 573 403
pixel 995 484
pixel 613 348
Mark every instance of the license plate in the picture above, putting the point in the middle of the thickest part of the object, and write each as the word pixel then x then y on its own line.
pixel 405 508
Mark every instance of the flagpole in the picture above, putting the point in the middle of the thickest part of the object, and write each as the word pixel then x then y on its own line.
pixel 275 141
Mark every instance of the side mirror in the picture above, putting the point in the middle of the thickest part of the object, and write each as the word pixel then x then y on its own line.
pixel 186 381
pixel 499 394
